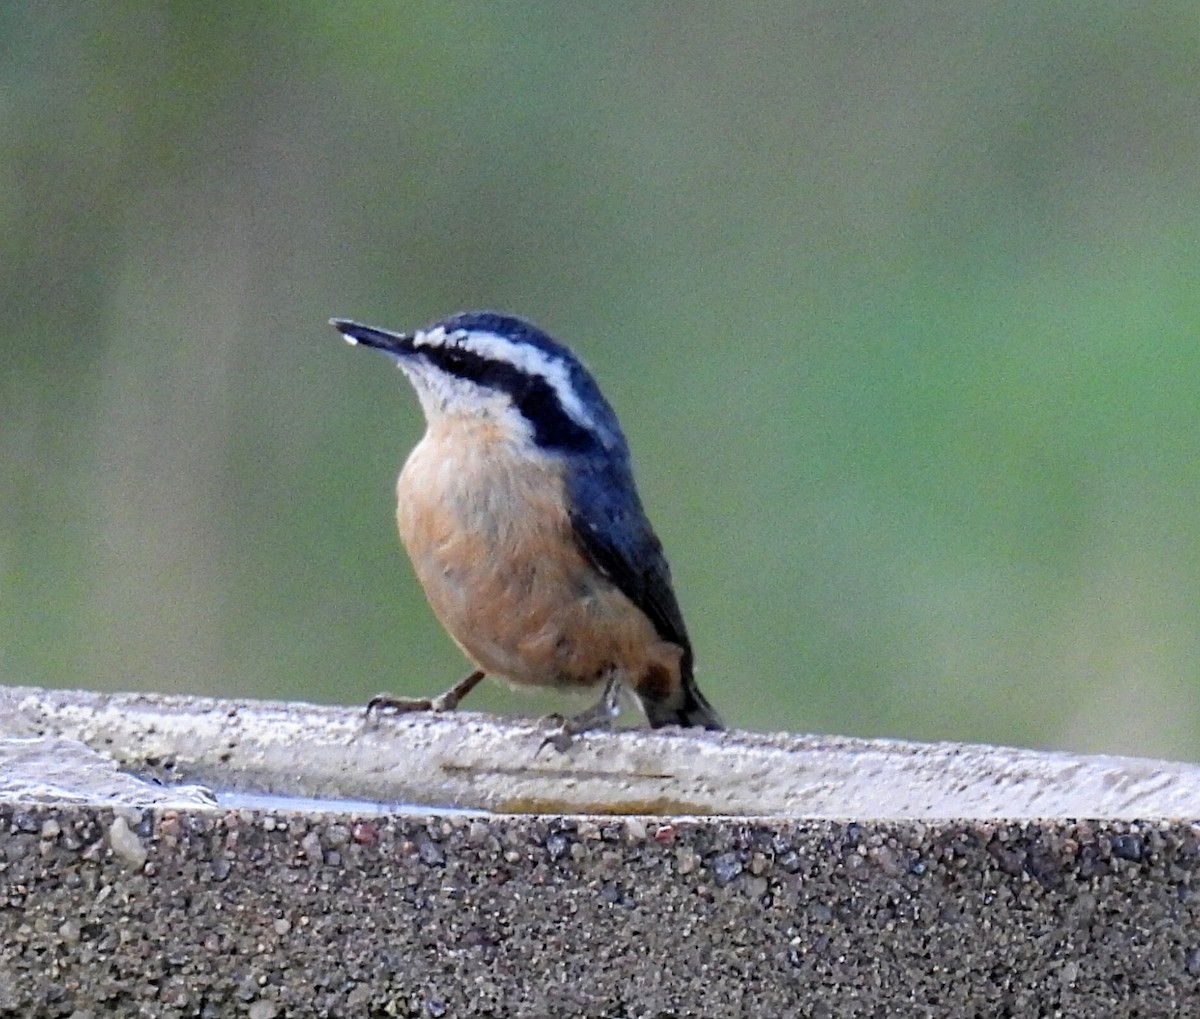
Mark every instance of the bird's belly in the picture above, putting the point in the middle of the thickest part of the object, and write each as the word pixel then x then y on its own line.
pixel 494 549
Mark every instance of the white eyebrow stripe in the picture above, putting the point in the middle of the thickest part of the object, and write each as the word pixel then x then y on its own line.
pixel 430 337
pixel 523 356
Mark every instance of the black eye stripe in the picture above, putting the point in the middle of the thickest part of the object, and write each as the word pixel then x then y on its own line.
pixel 453 358
pixel 532 395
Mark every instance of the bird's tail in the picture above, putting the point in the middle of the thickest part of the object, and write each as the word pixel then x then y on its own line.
pixel 687 707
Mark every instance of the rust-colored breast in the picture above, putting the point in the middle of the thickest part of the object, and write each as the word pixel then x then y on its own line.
pixel 487 530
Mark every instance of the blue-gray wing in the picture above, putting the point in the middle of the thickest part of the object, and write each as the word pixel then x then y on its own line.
pixel 613 532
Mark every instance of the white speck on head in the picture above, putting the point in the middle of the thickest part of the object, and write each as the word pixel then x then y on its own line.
pixel 432 337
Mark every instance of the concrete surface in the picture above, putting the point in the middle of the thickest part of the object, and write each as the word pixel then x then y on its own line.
pixel 206 913
pixel 475 761
pixel 189 909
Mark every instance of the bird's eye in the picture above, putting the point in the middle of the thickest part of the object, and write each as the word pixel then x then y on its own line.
pixel 453 358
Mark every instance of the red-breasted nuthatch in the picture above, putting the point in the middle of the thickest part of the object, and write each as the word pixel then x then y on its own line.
pixel 519 512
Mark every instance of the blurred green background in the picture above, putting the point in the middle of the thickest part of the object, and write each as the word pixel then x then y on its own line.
pixel 898 303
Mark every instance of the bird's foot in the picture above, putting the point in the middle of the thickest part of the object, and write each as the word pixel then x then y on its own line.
pixel 386 704
pixel 599 716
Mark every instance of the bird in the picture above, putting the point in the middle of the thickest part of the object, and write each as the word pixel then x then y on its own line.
pixel 520 514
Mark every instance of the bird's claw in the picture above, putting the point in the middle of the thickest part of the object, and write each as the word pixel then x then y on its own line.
pixel 386 704
pixel 567 727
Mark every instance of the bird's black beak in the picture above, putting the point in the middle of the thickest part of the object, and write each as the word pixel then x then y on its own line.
pixel 397 344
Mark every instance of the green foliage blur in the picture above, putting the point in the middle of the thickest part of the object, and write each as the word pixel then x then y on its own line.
pixel 899 305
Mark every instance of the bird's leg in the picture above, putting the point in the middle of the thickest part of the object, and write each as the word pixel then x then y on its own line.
pixel 386 704
pixel 599 716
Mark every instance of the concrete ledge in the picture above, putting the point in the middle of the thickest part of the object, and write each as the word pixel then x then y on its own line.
pixel 468 760
pixel 162 907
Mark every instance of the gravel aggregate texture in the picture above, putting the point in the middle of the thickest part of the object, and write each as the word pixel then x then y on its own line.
pixel 199 911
